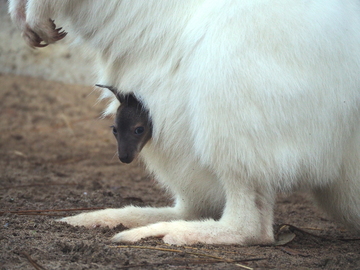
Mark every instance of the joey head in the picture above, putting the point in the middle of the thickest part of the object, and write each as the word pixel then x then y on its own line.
pixel 132 127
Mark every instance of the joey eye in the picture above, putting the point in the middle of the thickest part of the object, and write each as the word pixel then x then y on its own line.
pixel 114 130
pixel 139 130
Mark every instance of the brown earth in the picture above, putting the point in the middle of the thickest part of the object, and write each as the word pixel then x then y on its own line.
pixel 56 154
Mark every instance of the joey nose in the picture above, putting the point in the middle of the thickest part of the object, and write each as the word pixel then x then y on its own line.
pixel 126 158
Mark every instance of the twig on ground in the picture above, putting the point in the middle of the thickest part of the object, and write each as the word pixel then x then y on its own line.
pixel 39 214
pixel 174 263
pixel 216 259
pixel 33 263
pixel 18 153
pixel 220 251
pixel 33 212
pixel 311 229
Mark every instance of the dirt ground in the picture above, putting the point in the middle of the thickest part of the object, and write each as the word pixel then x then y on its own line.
pixel 57 156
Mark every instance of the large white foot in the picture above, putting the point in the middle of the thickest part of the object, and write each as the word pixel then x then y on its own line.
pixel 192 232
pixel 130 217
pixel 101 218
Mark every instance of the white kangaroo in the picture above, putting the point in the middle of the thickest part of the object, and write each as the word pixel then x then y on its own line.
pixel 247 98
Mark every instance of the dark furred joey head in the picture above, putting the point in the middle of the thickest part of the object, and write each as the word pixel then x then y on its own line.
pixel 132 128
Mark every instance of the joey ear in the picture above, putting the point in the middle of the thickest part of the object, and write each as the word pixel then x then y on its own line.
pixel 114 90
pixel 120 97
pixel 131 100
pixel 111 88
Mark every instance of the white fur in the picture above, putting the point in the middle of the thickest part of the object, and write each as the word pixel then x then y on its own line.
pixel 247 98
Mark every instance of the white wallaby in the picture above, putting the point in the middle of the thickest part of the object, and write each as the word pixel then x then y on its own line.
pixel 247 98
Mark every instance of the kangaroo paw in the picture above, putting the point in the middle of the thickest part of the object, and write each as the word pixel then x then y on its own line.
pixel 42 34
